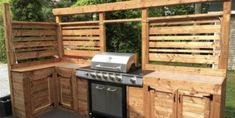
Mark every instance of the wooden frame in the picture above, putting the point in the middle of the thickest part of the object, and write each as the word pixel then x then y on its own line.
pixel 145 21
pixel 78 41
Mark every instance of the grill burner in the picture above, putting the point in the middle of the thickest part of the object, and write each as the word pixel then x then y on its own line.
pixel 113 67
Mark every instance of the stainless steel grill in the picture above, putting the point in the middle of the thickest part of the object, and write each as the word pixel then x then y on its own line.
pixel 113 67
pixel 119 62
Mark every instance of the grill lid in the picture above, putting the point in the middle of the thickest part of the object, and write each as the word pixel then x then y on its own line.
pixel 110 61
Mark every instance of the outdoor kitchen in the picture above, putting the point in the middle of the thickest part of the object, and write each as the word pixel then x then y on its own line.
pixel 180 73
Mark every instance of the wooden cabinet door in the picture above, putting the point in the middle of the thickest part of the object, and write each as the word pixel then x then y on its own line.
pixel 162 104
pixel 41 89
pixel 64 77
pixel 193 105
pixel 65 92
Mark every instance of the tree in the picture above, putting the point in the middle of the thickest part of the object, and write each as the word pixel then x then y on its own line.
pixel 2 41
pixel 27 10
pixel 120 37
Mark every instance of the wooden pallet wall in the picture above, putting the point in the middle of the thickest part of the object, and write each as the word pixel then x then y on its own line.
pixel 81 41
pixel 33 43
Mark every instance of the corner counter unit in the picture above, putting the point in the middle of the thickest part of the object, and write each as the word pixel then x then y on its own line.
pixel 36 90
pixel 172 95
pixel 32 92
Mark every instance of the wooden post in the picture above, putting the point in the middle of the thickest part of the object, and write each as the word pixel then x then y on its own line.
pixel 145 39
pixel 59 37
pixel 102 32
pixel 8 44
pixel 225 34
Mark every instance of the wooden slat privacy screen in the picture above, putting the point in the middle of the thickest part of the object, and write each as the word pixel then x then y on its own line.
pixel 194 43
pixel 198 40
pixel 81 41
pixel 187 42
pixel 34 42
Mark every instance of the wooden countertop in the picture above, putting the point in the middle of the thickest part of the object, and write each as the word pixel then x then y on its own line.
pixel 43 66
pixel 172 81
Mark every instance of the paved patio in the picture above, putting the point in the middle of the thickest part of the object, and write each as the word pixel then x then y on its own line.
pixel 4 81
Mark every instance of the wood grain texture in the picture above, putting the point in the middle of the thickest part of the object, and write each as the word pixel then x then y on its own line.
pixel 82 97
pixel 122 6
pixel 9 49
pixel 225 34
pixel 65 87
pixel 145 36
pixel 135 102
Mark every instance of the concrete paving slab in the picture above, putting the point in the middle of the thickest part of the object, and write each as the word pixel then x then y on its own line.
pixel 4 80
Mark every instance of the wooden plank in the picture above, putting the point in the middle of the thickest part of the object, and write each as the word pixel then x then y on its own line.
pixel 28 66
pixel 92 38
pixel 223 62
pixel 34 44
pixel 185 22
pixel 183 51
pixel 81 32
pixel 33 23
pixel 36 38
pixel 184 44
pixel 203 59
pixel 189 37
pixel 123 20
pixel 117 6
pixel 186 17
pixel 75 47
pixel 9 47
pixel 79 23
pixel 59 36
pixel 82 94
pixel 102 32
pixel 35 54
pixel 190 70
pixel 135 102
pixel 145 38
pixel 26 26
pixel 80 53
pixel 80 27
pixel 186 29
pixel 34 32
pixel 82 43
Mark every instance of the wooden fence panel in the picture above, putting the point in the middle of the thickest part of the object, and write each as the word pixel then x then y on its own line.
pixel 34 42
pixel 191 42
pixel 81 41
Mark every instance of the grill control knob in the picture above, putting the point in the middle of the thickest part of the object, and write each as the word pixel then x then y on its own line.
pixel 119 78
pixel 99 75
pixel 93 75
pixel 106 76
pixel 87 74
pixel 112 77
pixel 133 79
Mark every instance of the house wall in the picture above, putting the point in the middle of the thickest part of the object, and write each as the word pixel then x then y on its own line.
pixel 231 59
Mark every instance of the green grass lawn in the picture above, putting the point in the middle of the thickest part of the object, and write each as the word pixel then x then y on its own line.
pixel 230 99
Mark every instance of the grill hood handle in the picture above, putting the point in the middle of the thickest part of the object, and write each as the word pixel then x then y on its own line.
pixel 106 67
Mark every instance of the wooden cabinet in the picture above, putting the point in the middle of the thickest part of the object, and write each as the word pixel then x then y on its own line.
pixel 32 92
pixel 65 86
pixel 179 104
pixel 194 105
pixel 162 104
pixel 41 93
